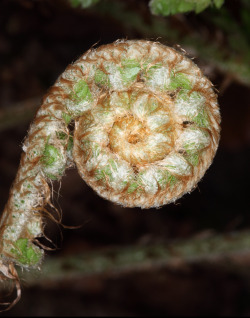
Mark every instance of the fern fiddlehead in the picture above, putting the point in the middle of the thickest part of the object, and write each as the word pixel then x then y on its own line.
pixel 146 128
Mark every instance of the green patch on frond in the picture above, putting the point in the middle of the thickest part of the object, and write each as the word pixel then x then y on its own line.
pixel 193 158
pixel 169 7
pixel 185 95
pixel 99 174
pixel 50 155
pixel 165 178
pixel 179 80
pixel 26 253
pixel 51 176
pixel 104 174
pixel 113 164
pixel 66 117
pixel 171 180
pixel 129 70
pixel 170 166
pixel 61 135
pixel 150 71
pixel 101 79
pixel 192 152
pixel 202 119
pixel 136 183
pixel 81 92
pixel 132 187
pixel 191 146
pixel 70 143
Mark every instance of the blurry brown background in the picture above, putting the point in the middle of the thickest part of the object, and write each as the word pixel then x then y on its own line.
pixel 38 39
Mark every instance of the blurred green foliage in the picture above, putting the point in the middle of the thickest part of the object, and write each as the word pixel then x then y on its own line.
pixel 83 3
pixel 168 7
pixel 222 40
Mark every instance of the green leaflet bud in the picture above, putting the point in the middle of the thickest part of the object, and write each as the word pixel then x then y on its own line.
pixel 26 253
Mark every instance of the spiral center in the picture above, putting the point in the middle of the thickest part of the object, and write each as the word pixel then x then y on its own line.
pixel 134 138
pixel 134 130
pixel 134 126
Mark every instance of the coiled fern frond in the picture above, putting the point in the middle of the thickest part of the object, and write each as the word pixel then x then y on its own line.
pixel 138 119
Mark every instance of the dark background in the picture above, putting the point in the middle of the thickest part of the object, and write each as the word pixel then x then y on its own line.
pixel 38 39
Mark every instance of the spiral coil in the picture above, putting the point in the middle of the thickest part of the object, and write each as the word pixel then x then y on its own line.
pixel 147 122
